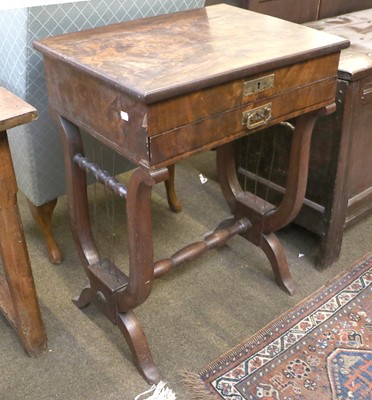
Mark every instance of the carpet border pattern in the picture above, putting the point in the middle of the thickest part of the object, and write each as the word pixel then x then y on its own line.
pixel 254 355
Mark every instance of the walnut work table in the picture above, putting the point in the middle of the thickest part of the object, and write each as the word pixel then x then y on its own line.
pixel 161 89
pixel 18 300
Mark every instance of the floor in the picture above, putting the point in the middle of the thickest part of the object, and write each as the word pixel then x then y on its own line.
pixel 195 314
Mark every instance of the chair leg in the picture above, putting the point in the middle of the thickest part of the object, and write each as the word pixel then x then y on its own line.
pixel 43 217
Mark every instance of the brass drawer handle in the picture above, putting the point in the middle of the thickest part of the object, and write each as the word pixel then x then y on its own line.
pixel 257 116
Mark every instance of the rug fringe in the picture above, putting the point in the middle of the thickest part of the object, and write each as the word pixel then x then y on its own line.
pixel 159 392
pixel 195 386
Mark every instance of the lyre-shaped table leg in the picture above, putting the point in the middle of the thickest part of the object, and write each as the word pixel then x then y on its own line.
pixel 111 291
pixel 77 193
pixel 265 217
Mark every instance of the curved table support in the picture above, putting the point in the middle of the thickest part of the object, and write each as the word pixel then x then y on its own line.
pixel 266 218
pixel 174 203
pixel 276 255
pixel 77 193
pixel 115 294
pixel 137 342
pixel 297 175
pixel 111 291
pixel 141 261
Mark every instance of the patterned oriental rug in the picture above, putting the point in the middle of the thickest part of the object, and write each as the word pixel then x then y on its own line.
pixel 321 349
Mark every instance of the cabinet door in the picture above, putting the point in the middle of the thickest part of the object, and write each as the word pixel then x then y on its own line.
pixel 331 8
pixel 291 10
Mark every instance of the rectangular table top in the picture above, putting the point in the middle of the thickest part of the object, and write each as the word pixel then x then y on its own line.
pixel 160 57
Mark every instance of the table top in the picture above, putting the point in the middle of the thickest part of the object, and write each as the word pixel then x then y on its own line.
pixel 355 61
pixel 161 57
pixel 14 111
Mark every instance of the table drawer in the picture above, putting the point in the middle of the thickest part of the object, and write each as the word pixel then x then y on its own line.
pixel 223 127
pixel 154 134
pixel 186 109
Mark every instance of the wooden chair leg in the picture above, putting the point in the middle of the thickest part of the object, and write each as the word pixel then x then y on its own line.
pixel 43 217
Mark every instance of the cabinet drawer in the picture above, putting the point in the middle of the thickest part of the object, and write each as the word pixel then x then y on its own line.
pixel 187 109
pixel 225 126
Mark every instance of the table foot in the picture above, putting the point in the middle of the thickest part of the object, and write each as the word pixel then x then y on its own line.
pixel 273 250
pixel 137 342
pixel 85 298
pixel 275 253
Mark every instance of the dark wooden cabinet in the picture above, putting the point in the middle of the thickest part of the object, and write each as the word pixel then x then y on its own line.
pixel 290 10
pixel 299 10
pixel 331 8
pixel 339 190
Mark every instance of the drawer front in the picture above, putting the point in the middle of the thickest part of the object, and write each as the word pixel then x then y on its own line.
pixel 154 135
pixel 223 127
pixel 187 109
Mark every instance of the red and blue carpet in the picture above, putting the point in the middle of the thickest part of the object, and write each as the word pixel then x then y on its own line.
pixel 321 349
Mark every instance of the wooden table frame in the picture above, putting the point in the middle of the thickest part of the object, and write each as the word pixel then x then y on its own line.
pixel 126 112
pixel 18 299
pixel 115 294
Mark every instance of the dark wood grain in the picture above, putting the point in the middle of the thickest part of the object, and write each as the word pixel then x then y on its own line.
pixel 18 300
pixel 162 89
pixel 159 57
pixel 154 134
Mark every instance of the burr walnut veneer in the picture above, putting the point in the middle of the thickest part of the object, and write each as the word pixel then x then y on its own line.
pixel 161 89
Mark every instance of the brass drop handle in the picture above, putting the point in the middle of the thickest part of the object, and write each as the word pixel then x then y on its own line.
pixel 257 116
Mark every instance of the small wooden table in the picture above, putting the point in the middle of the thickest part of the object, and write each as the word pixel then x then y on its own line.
pixel 161 89
pixel 18 299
